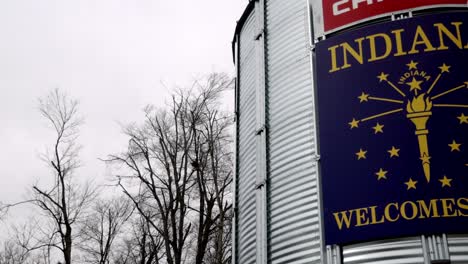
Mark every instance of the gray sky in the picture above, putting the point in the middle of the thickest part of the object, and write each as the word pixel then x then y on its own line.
pixel 112 55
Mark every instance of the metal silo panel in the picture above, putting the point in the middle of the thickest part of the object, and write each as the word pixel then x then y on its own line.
pixel 246 149
pixel 458 248
pixel 294 229
pixel 404 251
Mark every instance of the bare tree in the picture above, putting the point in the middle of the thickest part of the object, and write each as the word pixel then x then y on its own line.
pixel 213 163
pixel 12 253
pixel 22 246
pixel 143 245
pixel 178 169
pixel 101 228
pixel 219 248
pixel 63 202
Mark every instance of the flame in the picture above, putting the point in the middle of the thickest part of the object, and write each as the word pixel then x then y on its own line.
pixel 419 104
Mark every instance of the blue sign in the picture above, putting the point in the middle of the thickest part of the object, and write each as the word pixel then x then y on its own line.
pixel 393 129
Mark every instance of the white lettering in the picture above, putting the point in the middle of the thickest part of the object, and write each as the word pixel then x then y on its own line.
pixel 336 8
pixel 342 6
pixel 356 3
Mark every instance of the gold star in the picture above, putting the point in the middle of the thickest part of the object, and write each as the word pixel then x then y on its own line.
pixel 445 181
pixel 454 146
pixel 361 154
pixel 354 123
pixel 412 65
pixel 394 152
pixel 378 128
pixel 411 184
pixel 381 174
pixel 414 84
pixel 444 68
pixel 425 158
pixel 463 119
pixel 382 77
pixel 363 97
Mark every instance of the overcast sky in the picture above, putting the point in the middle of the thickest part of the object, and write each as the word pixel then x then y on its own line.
pixel 114 56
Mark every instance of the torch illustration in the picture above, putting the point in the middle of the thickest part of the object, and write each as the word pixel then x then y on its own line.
pixel 419 111
pixel 418 108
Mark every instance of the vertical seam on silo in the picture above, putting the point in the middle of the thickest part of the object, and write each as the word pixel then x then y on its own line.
pixel 425 251
pixel 315 133
pixel 266 123
pixel 446 246
pixel 236 174
pixel 261 137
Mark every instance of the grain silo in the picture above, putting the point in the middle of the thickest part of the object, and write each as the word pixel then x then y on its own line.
pixel 352 132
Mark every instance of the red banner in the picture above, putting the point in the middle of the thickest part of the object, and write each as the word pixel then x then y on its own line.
pixel 338 13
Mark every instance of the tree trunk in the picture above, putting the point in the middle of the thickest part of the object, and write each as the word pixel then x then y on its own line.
pixel 68 245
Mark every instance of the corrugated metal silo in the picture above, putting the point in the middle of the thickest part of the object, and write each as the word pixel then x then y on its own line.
pixel 279 207
pixel 245 245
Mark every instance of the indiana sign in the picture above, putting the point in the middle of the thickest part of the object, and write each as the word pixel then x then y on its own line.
pixel 393 129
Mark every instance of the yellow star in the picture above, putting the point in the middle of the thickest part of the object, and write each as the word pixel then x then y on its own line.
pixel 354 123
pixel 412 65
pixel 414 84
pixel 381 174
pixel 378 128
pixel 394 152
pixel 454 146
pixel 445 181
pixel 411 184
pixel 382 77
pixel 361 154
pixel 463 119
pixel 425 158
pixel 363 97
pixel 444 68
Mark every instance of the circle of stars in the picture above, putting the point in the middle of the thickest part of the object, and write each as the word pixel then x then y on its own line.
pixel 414 86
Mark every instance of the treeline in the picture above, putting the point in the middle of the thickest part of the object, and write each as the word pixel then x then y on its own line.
pixel 174 203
